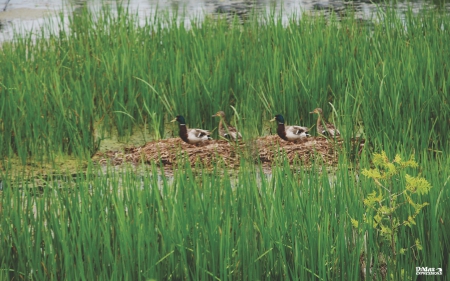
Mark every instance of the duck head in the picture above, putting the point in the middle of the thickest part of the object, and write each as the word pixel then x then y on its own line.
pixel 317 110
pixel 180 119
pixel 278 118
pixel 219 114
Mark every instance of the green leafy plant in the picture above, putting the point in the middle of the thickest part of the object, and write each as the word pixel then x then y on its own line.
pixel 392 204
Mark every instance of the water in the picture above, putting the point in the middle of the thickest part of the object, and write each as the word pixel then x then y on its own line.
pixel 27 15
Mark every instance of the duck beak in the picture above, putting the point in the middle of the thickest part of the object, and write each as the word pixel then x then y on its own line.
pixel 215 115
pixel 312 112
pixel 274 119
pixel 174 120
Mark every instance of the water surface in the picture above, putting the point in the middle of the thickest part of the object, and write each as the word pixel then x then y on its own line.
pixel 26 15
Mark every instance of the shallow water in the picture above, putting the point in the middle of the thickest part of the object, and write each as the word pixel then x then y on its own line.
pixel 26 15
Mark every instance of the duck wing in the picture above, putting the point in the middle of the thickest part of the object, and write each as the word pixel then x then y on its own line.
pixel 198 134
pixel 231 133
pixel 332 131
pixel 296 132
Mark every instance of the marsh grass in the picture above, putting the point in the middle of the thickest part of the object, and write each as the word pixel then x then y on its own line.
pixel 108 71
pixel 208 225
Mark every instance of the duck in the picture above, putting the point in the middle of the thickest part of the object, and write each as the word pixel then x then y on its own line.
pixel 225 131
pixel 191 136
pixel 323 128
pixel 290 133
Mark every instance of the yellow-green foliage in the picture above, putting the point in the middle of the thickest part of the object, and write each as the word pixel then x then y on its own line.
pixel 383 204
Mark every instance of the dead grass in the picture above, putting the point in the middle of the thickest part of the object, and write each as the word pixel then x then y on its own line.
pixel 265 150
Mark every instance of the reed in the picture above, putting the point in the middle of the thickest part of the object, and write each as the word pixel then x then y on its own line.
pixel 113 71
pixel 290 224
pixel 108 71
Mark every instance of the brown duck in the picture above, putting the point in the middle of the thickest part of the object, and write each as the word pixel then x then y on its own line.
pixel 226 131
pixel 323 128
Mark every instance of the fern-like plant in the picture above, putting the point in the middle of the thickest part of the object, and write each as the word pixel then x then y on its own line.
pixel 388 206
pixel 384 202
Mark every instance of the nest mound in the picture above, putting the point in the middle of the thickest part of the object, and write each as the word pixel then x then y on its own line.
pixel 265 150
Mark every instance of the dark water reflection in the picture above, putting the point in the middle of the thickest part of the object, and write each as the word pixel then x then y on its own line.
pixel 30 14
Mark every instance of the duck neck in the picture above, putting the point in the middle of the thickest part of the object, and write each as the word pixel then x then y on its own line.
pixel 183 132
pixel 319 121
pixel 281 131
pixel 221 123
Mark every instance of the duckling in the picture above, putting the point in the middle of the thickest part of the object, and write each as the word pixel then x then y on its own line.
pixel 290 133
pixel 323 128
pixel 225 131
pixel 191 136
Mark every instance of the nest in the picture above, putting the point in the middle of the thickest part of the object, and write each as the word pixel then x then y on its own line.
pixel 265 150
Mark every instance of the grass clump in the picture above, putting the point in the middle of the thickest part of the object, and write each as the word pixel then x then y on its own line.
pixel 208 224
pixel 109 71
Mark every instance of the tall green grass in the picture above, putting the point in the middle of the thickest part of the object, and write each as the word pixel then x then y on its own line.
pixel 291 224
pixel 109 70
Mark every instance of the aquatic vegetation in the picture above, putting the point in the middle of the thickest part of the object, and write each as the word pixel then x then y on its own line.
pixel 396 190
pixel 104 71
pixel 265 150
pixel 284 222
pixel 258 209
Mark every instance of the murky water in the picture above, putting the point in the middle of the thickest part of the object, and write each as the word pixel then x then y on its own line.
pixel 26 15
